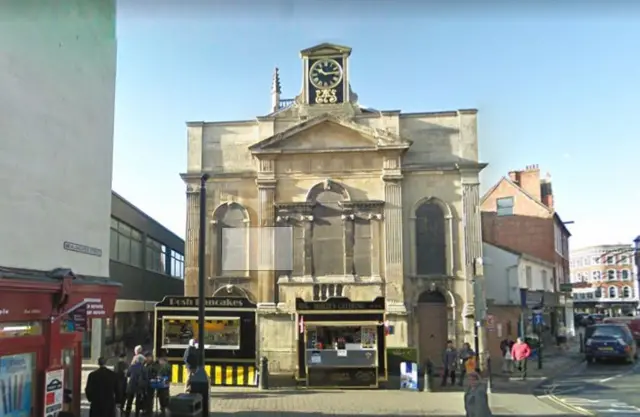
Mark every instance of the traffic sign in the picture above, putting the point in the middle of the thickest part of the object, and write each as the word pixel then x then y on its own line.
pixel 537 319
pixel 566 287
pixel 491 322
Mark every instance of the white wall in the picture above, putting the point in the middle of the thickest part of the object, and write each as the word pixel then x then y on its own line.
pixel 538 281
pixel 501 275
pixel 57 88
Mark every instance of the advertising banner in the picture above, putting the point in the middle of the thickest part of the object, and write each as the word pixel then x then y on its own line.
pixel 16 372
pixel 409 376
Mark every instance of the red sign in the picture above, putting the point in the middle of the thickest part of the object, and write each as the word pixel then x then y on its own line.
pixel 24 306
pixel 491 322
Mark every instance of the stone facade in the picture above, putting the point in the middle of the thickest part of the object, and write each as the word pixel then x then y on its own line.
pixel 381 203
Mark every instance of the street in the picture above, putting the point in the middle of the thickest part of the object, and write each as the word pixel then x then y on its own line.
pixel 596 389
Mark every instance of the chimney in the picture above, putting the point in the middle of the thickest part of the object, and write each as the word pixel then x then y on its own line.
pixel 546 191
pixel 275 91
pixel 528 179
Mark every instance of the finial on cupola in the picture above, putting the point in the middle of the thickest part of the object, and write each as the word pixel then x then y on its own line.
pixel 276 90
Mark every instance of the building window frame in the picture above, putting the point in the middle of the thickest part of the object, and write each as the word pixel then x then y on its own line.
pixel 156 256
pixel 626 292
pixel 177 264
pixel 613 292
pixel 596 275
pixel 611 274
pixel 126 243
pixel 504 206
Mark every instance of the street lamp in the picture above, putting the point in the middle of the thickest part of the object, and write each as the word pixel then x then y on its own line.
pixel 200 383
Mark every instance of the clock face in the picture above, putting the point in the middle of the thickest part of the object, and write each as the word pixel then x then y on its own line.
pixel 325 74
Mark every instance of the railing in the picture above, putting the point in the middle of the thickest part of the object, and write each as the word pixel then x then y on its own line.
pixel 284 103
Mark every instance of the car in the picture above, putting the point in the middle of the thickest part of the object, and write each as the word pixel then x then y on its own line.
pixel 609 341
pixel 632 322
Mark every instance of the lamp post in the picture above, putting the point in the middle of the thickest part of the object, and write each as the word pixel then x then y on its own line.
pixel 200 383
pixel 636 260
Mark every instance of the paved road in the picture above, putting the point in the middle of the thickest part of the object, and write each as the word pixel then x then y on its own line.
pixel 601 389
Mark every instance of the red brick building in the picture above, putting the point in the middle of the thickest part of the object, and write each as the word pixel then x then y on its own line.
pixel 518 213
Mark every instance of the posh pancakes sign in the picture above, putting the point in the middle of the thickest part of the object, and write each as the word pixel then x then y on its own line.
pixel 210 302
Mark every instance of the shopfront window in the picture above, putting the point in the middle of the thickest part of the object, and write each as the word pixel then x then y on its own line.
pixel 220 333
pixel 341 338
pixel 20 329
pixel 17 384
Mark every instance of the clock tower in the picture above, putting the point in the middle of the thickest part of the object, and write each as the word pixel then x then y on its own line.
pixel 325 74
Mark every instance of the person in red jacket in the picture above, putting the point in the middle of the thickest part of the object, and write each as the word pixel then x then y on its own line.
pixel 520 353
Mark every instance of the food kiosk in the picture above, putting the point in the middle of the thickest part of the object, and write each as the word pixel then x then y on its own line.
pixel 230 337
pixel 341 343
pixel 42 317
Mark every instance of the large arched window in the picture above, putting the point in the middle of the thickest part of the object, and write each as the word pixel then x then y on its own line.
pixel 626 292
pixel 431 257
pixel 328 233
pixel 613 292
pixel 232 240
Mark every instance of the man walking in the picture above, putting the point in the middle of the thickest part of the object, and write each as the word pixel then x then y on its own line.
pixel 520 353
pixel 450 362
pixel 136 387
pixel 101 391
pixel 191 360
pixel 120 370
pixel 466 356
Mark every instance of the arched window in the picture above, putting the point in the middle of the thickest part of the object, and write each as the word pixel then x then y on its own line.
pixel 626 292
pixel 232 239
pixel 598 292
pixel 597 276
pixel 328 234
pixel 611 274
pixel 613 292
pixel 431 258
pixel 625 274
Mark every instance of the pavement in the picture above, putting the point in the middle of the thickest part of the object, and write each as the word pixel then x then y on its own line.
pixel 596 389
pixel 244 402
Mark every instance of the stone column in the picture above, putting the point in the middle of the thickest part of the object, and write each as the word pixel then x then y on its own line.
pixel 393 237
pixel 192 238
pixel 348 224
pixel 266 248
pixel 374 221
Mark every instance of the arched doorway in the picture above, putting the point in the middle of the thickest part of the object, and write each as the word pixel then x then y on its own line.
pixel 432 325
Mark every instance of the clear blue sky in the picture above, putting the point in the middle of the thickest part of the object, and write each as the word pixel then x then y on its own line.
pixel 554 87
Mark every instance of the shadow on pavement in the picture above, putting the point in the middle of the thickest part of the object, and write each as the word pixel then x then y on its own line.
pixel 267 394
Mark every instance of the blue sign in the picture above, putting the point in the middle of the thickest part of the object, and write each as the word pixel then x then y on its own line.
pixel 409 376
pixel 537 319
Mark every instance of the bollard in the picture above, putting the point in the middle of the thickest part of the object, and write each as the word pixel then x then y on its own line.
pixel 264 373
pixel 581 342
pixel 428 374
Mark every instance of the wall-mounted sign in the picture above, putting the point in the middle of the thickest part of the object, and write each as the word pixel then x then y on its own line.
pixel 16 372
pixel 340 303
pixel 87 250
pixel 216 302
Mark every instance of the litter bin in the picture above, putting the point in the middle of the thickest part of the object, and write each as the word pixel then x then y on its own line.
pixel 185 405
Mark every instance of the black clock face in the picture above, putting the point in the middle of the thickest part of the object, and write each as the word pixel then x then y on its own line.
pixel 325 74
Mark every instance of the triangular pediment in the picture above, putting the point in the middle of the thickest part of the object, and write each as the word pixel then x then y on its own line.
pixel 329 133
pixel 326 49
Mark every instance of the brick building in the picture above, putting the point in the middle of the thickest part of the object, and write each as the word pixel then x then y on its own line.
pixel 603 279
pixel 518 213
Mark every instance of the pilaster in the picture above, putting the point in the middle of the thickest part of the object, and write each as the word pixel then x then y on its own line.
pixel 307 252
pixel 266 183
pixel 191 241
pixel 375 222
pixel 348 220
pixel 392 177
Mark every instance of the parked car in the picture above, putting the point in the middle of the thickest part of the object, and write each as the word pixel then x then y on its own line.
pixel 632 322
pixel 609 341
pixel 579 319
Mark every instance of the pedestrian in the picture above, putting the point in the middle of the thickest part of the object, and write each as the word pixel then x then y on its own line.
pixel 137 354
pixel 507 363
pixel 561 336
pixel 190 359
pixel 476 400
pixel 101 391
pixel 150 373
pixel 136 387
pixel 520 353
pixel 450 362
pixel 120 370
pixel 466 356
pixel 164 374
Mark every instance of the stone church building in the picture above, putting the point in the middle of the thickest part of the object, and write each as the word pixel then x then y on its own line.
pixel 379 203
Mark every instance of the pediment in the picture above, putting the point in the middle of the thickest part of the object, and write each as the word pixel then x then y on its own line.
pixel 326 49
pixel 329 133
